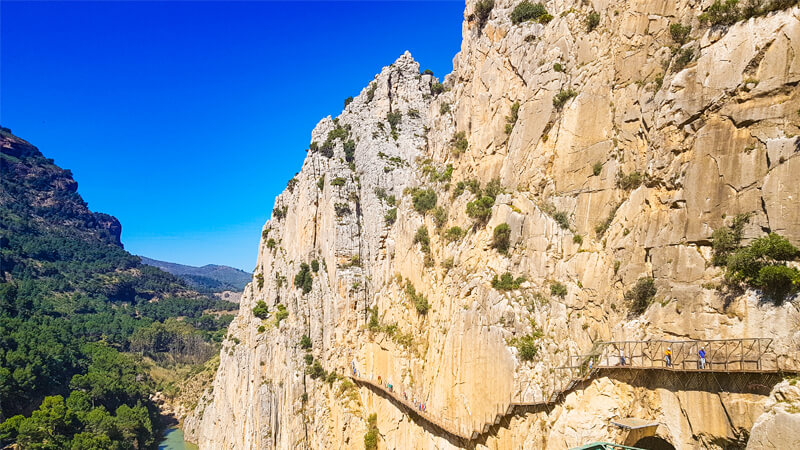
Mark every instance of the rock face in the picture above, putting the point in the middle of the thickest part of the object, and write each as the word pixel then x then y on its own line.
pixel 709 139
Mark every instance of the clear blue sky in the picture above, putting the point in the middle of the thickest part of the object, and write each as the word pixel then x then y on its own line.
pixel 185 120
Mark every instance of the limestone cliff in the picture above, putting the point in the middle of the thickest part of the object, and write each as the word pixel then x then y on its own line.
pixel 618 153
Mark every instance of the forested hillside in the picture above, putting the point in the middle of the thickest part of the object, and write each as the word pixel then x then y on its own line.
pixel 208 279
pixel 82 321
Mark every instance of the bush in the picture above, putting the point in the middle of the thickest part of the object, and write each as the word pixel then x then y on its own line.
pixel 427 72
pixel 506 282
pixel 558 289
pixel 422 238
pixel 454 233
pixel 371 91
pixel 281 314
pixel 592 21
pixel 629 181
pixel 480 209
pixel 720 13
pixel 437 88
pixel 304 279
pixel 460 143
pixel 725 241
pixel 762 265
pixel 493 188
pixel 526 11
pixel 391 216
pixel 439 217
pixel 641 295
pixel 260 280
pixel 562 219
pixel 371 439
pixel 528 346
pixel 350 151
pixel 444 108
pixel 316 371
pixel 482 10
pixel 685 58
pixel 423 200
pixel 271 243
pixel 501 238
pixel 602 227
pixel 420 301
pixel 558 67
pixel 512 119
pixel 578 239
pixel 279 212
pixel 338 181
pixel 597 168
pixel 342 209
pixel 348 100
pixel 561 98
pixel 321 183
pixel 260 310
pixel 315 266
pixel 679 33
pixel 305 342
pixel 374 323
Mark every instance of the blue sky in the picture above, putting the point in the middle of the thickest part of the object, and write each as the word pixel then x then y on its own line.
pixel 185 119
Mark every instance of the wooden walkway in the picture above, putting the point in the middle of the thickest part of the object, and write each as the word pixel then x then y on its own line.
pixel 722 356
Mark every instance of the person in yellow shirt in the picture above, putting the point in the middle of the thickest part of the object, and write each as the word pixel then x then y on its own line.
pixel 668 356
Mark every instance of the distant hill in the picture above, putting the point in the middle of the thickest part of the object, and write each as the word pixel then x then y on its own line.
pixel 208 278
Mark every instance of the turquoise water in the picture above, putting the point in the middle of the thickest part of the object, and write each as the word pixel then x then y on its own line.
pixel 173 440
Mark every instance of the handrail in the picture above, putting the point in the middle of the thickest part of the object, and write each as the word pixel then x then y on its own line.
pixel 746 355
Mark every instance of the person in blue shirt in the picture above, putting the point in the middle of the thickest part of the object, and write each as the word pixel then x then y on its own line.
pixel 702 354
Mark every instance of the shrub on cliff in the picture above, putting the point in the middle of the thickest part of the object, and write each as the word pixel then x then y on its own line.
pixel 762 265
pixel 641 295
pixel 371 436
pixel 305 342
pixel 423 200
pixel 281 314
pixel 480 209
pixel 260 310
pixel 483 8
pixel 454 233
pixel 304 279
pixel 592 21
pixel 423 239
pixel 501 238
pixel 558 289
pixel 726 240
pixel 526 11
pixel 506 282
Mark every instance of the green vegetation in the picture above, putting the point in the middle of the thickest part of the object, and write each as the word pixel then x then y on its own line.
pixel 371 91
pixel 630 181
pixel 641 295
pixel 602 227
pixel 78 314
pixel 454 233
pixel 371 436
pixel 526 11
pixel 501 238
pixel 260 280
pixel 558 67
pixel 679 33
pixel 459 143
pixel 685 57
pixel 507 282
pixel 528 345
pixel 260 310
pixel 592 21
pixel 480 209
pixel 420 301
pixel 721 13
pixel 483 8
pixel 597 168
pixel 321 183
pixel 305 342
pixel 314 266
pixel 561 98
pixel 394 119
pixel 304 279
pixel 512 119
pixel 423 200
pixel 439 217
pixel 444 108
pixel 726 240
pixel 271 243
pixel 423 239
pixel 437 88
pixel 350 151
pixel 281 314
pixel 558 289
pixel 578 239
pixel 341 209
pixel 291 184
pixel 762 265
pixel 348 100
pixel 427 72
pixel 338 181
pixel 391 216
pixel 279 212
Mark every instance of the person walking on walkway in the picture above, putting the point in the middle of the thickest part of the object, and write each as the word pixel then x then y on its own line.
pixel 702 355
pixel 668 356
pixel 621 357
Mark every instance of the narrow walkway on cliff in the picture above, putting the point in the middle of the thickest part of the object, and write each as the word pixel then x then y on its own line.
pixel 733 365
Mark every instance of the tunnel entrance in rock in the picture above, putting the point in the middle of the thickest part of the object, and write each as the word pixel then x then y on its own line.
pixel 653 443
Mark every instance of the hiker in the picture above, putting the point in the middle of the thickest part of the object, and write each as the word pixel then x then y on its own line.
pixel 702 355
pixel 379 380
pixel 621 357
pixel 668 356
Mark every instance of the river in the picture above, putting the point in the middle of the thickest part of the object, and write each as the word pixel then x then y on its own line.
pixel 173 440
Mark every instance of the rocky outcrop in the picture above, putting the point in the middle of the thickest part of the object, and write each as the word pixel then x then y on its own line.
pixel 778 426
pixel 695 140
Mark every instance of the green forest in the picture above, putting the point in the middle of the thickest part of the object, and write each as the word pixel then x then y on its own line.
pixel 78 317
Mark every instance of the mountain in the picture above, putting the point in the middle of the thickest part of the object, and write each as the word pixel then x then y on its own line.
pixel 589 172
pixel 209 278
pixel 86 330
